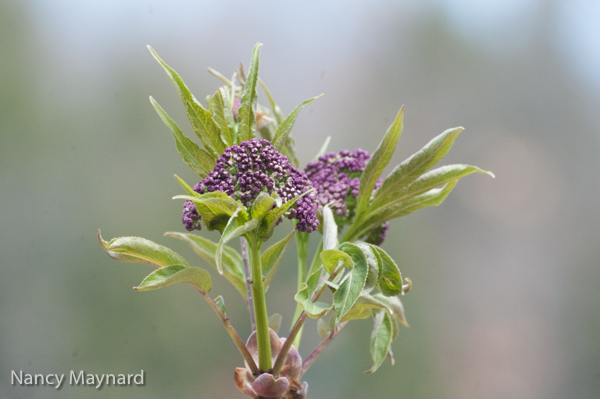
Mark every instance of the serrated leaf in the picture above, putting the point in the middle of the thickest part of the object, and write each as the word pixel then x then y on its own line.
pixel 215 208
pixel 390 279
pixel 417 164
pixel 303 297
pixel 330 230
pixel 323 328
pixel 271 258
pixel 372 261
pixel 395 305
pixel 220 302
pixel 175 274
pixel 237 225
pixel 140 250
pixel 381 339
pixel 261 205
pixel 247 111
pixel 378 161
pixel 233 267
pixel 200 118
pixel 284 129
pixel 270 220
pixel 275 322
pixel 195 157
pixel 350 288
pixel 220 108
pixel 330 259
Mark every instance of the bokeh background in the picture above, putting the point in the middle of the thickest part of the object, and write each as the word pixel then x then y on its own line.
pixel 506 272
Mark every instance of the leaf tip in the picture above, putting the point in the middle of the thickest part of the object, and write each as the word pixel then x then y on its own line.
pixel 101 241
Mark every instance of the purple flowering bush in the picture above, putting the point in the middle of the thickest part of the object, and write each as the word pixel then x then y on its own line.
pixel 250 180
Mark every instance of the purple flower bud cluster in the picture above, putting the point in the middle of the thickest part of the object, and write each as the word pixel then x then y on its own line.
pixel 243 171
pixel 336 176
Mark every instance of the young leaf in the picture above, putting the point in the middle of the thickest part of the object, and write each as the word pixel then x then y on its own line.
pixel 420 162
pixel 215 208
pixel 220 302
pixel 284 129
pixel 323 328
pixel 323 149
pixel 186 187
pixel 381 339
pixel 351 287
pixel 276 110
pixel 195 157
pixel 372 261
pixel 331 257
pixel 220 107
pixel 395 305
pixel 330 230
pixel 233 267
pixel 247 117
pixel 175 274
pixel 271 258
pixel 381 157
pixel 200 118
pixel 261 205
pixel 140 250
pixel 270 220
pixel 363 308
pixel 237 225
pixel 390 280
pixel 303 297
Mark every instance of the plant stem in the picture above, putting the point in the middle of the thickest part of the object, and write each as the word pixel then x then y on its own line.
pixel 302 247
pixel 232 333
pixel 297 327
pixel 317 351
pixel 260 306
pixel 247 276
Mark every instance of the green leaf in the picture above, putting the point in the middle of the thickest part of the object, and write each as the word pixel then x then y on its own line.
pixel 261 205
pixel 390 280
pixel 275 322
pixel 331 257
pixel 381 339
pixel 395 305
pixel 270 220
pixel 323 328
pixel 237 225
pixel 200 118
pixel 175 274
pixel 276 110
pixel 140 250
pixel 352 285
pixel 323 149
pixel 409 170
pixel 220 302
pixel 186 187
pixel 363 308
pixel 372 261
pixel 247 111
pixel 284 129
pixel 220 107
pixel 215 208
pixel 381 157
pixel 271 258
pixel 195 157
pixel 303 297
pixel 233 266
pixel 330 230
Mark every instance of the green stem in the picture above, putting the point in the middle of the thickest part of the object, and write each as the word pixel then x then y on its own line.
pixel 302 245
pixel 260 305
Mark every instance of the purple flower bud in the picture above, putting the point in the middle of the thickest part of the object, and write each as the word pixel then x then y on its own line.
pixel 244 171
pixel 337 180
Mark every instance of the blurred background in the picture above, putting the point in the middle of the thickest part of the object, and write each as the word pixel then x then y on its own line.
pixel 505 298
